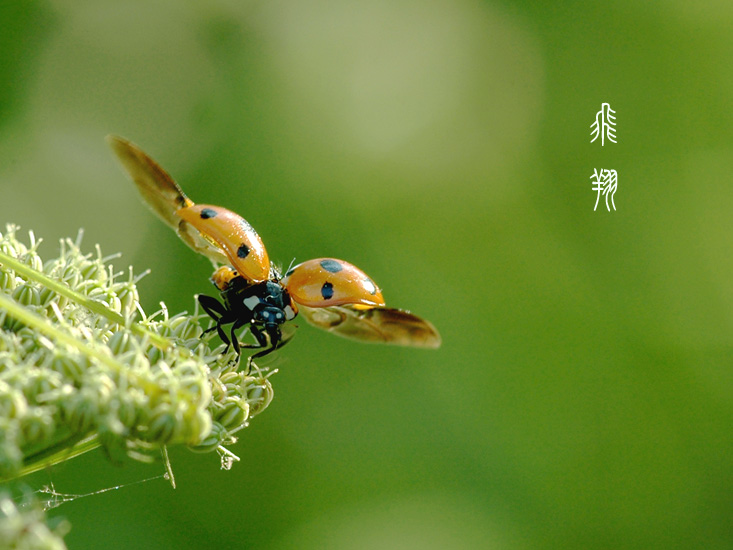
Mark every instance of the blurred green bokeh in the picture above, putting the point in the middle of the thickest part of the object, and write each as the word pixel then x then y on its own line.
pixel 582 396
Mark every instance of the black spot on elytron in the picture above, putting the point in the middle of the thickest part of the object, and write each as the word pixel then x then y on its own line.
pixel 332 266
pixel 207 213
pixel 327 291
pixel 243 251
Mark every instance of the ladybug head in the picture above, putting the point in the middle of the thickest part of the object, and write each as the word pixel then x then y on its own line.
pixel 270 317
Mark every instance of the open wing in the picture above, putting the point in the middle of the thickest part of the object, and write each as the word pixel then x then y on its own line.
pixel 382 325
pixel 163 196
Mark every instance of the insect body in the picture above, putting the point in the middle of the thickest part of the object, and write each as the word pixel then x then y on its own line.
pixel 331 294
pixel 263 306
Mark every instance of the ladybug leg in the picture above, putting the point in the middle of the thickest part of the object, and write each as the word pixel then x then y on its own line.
pixel 221 316
pixel 239 323
pixel 260 336
pixel 213 308
pixel 262 342
pixel 237 345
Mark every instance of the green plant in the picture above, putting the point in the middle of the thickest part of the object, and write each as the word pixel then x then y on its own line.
pixel 82 366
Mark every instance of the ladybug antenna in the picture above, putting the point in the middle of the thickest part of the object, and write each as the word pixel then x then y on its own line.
pixel 290 266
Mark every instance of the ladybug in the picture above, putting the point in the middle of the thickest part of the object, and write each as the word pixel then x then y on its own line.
pixel 331 294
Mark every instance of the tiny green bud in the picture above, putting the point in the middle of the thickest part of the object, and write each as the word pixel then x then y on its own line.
pixel 69 365
pixel 164 425
pixel 13 403
pixel 37 425
pixel 81 410
pixel 259 394
pixel 216 436
pixel 233 413
pixel 120 342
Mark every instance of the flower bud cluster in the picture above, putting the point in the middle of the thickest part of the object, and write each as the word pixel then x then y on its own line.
pixel 111 382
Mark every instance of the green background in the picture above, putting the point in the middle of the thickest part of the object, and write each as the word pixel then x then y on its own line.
pixel 582 395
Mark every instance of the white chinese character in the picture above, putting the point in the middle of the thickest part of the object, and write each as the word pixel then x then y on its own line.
pixel 605 125
pixel 606 183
